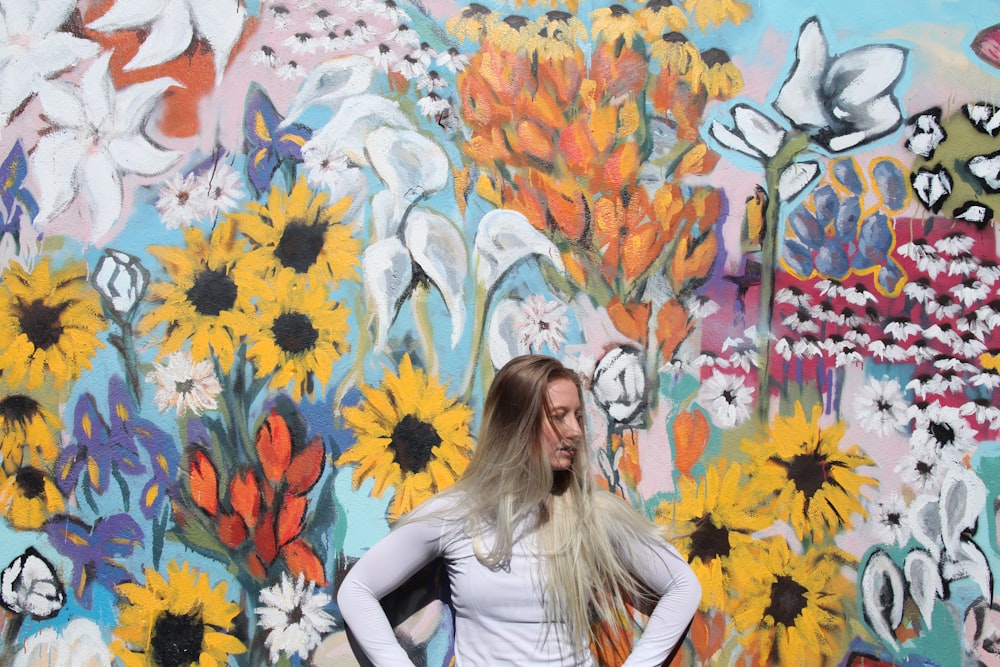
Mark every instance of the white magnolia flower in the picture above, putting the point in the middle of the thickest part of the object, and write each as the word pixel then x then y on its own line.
pixel 172 24
pixel 619 384
pixel 987 169
pixel 183 385
pixel 79 644
pixel 881 407
pixel 183 201
pixel 32 50
pixel 542 323
pixel 293 614
pixel 727 398
pixel 753 133
pixel 924 133
pixel 973 212
pixel 843 101
pixel 932 187
pixel 30 586
pixel 96 135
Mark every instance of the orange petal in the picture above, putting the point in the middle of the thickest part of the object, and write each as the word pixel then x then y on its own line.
pixel 204 482
pixel 274 446
pixel 306 467
pixel 244 496
pixel 265 540
pixel 232 531
pixel 691 432
pixel 291 517
pixel 535 142
pixel 693 260
pixel 621 167
pixel 301 559
pixel 631 319
pixel 672 327
pixel 577 147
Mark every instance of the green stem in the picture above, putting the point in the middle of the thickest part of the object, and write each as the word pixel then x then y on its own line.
pixel 478 324
pixel 769 263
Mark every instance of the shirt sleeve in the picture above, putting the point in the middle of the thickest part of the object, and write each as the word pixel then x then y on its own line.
pixel 668 576
pixel 381 570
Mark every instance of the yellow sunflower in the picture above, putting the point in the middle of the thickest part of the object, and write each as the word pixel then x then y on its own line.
pixel 719 75
pixel 814 483
pixel 28 497
pixel 677 53
pixel 717 12
pixel 27 432
pixel 791 606
pixel 659 16
pixel 180 620
pixel 299 230
pixel 410 435
pixel 300 333
pixel 713 522
pixel 49 321
pixel 557 36
pixel 471 22
pixel 615 22
pixel 209 299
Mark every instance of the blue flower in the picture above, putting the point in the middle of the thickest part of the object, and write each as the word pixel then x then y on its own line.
pixel 15 199
pixel 269 142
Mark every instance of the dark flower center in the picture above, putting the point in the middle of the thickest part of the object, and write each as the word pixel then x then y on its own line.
pixel 31 483
pixel 177 639
pixel 294 332
pixel 809 472
pixel 212 292
pixel 413 442
pixel 40 322
pixel 788 599
pixel 942 433
pixel 709 541
pixel 924 469
pixel 618 10
pixel 715 56
pixel 19 409
pixel 516 22
pixel 184 386
pixel 300 245
pixel 674 38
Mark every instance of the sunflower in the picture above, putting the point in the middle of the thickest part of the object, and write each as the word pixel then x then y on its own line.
pixel 717 12
pixel 814 483
pixel 177 621
pixel 209 299
pixel 614 23
pixel 410 435
pixel 300 333
pixel 28 497
pixel 791 605
pixel 714 521
pixel 27 432
pixel 49 321
pixel 470 23
pixel 298 230
pixel 557 36
pixel 675 52
pixel 659 15
pixel 720 75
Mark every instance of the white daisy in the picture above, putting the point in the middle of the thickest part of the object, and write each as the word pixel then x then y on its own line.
pixel 946 362
pixel 858 336
pixel 183 385
pixel 946 381
pixel 927 259
pixel 431 82
pixel 364 32
pixel 383 57
pixel 955 243
pixel 293 614
pixel 923 469
pixel 325 163
pixel 963 265
pixel 783 347
pixel 859 295
pixel 970 290
pixel 943 333
pixel 989 314
pixel 433 105
pixel 324 21
pixel 265 55
pixel 943 307
pixel 182 201
pixel 830 288
pixel 801 322
pixel 709 359
pixel 983 410
pixel 301 43
pixel 920 385
pixel 850 318
pixel 920 290
pixel 945 430
pixel 425 54
pixel 970 323
pixel 880 405
pixel 224 188
pixel 792 295
pixel 404 35
pixel 701 307
pixel 410 67
pixel 988 272
pixel 280 15
pixel 727 398
pixel 987 378
pixel 389 10
pixel 891 518
pixel 887 349
pixel 542 323
pixel 453 60
pixel 920 351
pixel 291 70
pixel 969 346
pixel 901 328
pixel 806 347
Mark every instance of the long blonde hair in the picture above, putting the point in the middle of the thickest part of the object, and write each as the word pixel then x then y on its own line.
pixel 582 530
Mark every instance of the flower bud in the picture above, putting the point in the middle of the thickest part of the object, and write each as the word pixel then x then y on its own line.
pixel 121 279
pixel 619 385
pixel 29 585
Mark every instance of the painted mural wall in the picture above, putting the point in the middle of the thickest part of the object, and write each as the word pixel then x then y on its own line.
pixel 262 258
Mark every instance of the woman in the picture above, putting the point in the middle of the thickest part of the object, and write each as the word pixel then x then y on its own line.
pixel 538 556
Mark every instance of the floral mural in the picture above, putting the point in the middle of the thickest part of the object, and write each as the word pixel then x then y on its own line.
pixel 261 259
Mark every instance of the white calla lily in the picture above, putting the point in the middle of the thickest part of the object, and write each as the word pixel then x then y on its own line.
pixel 753 133
pixel 843 101
pixel 330 83
pixel 411 165
pixel 795 178
pixel 504 343
pixel 357 116
pixel 923 578
pixel 883 593
pixel 172 24
pixel 962 498
pixel 503 239
pixel 97 135
pixel 438 247
pixel 386 216
pixel 388 272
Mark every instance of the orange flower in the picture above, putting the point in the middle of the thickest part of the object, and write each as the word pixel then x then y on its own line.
pixel 628 465
pixel 306 467
pixel 698 161
pixel 693 260
pixel 618 73
pixel 631 319
pixel 620 168
pixel 577 147
pixel 274 447
pixel 672 327
pixel 534 142
pixel 626 235
pixel 232 530
pixel 691 432
pixel 563 77
pixel 204 482
pixel 291 518
pixel 301 559
pixel 265 540
pixel 568 206
pixel 244 496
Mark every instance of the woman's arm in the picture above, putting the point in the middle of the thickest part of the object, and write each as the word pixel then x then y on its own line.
pixel 667 574
pixel 386 566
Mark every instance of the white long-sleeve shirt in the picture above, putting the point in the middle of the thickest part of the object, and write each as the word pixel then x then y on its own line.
pixel 499 613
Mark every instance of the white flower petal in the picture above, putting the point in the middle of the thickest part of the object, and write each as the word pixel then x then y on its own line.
pixel 923 579
pixel 126 14
pixel 438 247
pixel 411 165
pixel 731 140
pixel 963 497
pixel 221 23
pixel 795 178
pixel 54 162
pixel 356 118
pixel 882 596
pixel 168 37
pixel 387 269
pixel 760 131
pixel 799 100
pixel 136 155
pixel 102 187
pixel 503 239
pixel 330 83
pixel 61 106
pixel 504 341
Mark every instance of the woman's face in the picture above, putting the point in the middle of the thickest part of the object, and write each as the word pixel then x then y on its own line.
pixel 561 432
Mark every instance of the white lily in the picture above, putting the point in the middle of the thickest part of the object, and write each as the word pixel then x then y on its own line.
pixel 32 50
pixel 503 239
pixel 438 247
pixel 843 101
pixel 356 117
pixel 96 135
pixel 882 596
pixel 504 343
pixel 388 271
pixel 172 24
pixel 330 83
pixel 753 133
pixel 411 165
